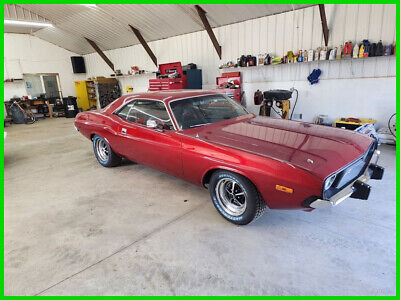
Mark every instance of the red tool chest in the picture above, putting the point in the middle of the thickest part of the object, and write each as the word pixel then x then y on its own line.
pixel 168 83
pixel 234 93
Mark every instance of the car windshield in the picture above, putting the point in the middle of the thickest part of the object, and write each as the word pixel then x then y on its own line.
pixel 199 111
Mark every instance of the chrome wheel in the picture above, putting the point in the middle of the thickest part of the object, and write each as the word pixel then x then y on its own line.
pixel 102 150
pixel 231 196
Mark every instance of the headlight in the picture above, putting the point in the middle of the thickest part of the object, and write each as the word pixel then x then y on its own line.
pixel 329 181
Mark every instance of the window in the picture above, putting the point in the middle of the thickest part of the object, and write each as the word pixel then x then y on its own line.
pixel 124 112
pixel 33 85
pixel 204 110
pixel 140 111
pixel 42 84
pixel 154 109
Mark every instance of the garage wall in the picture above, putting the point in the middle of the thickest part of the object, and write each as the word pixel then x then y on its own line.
pixel 347 88
pixel 24 54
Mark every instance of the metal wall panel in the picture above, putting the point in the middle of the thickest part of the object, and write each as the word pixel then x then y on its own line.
pixel 27 54
pixel 366 87
pixel 276 34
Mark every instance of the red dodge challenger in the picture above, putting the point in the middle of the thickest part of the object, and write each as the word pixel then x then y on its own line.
pixel 247 162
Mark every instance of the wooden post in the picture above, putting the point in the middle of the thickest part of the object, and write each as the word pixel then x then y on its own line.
pixel 144 44
pixel 325 29
pixel 102 55
pixel 202 14
pixel 49 107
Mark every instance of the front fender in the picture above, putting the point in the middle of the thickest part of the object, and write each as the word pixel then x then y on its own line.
pixel 207 173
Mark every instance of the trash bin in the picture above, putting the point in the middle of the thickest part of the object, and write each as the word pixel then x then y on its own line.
pixel 71 107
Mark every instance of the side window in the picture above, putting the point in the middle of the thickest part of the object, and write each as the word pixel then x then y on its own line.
pixel 152 110
pixel 140 111
pixel 126 112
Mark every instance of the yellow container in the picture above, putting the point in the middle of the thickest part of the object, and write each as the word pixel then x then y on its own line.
pixel 85 94
pixel 352 125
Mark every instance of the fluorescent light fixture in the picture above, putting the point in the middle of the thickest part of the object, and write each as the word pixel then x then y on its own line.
pixel 27 23
pixel 89 5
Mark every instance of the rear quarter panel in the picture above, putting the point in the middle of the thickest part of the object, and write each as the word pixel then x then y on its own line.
pixel 199 157
pixel 105 125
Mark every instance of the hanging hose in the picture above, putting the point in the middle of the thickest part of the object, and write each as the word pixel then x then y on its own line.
pixel 295 102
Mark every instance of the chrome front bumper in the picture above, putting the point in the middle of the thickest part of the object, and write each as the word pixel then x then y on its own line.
pixel 356 189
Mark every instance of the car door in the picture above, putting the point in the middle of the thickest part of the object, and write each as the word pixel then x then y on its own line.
pixel 124 130
pixel 159 147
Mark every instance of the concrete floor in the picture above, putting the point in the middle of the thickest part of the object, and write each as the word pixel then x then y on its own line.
pixel 73 227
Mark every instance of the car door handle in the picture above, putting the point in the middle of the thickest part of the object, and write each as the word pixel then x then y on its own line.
pixel 123 130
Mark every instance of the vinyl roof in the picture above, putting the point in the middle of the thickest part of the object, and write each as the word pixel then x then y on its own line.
pixel 108 24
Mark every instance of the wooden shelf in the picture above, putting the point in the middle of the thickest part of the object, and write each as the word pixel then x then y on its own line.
pixel 14 80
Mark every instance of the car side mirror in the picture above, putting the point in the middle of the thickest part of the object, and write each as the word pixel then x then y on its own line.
pixel 151 124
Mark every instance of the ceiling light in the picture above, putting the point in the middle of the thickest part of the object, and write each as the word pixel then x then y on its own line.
pixel 27 23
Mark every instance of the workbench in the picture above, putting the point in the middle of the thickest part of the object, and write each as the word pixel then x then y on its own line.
pixel 32 104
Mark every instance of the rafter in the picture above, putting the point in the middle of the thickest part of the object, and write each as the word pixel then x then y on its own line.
pixel 144 44
pixel 325 29
pixel 101 53
pixel 202 14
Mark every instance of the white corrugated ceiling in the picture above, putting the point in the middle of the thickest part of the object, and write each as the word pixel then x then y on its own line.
pixel 107 24
pixel 15 12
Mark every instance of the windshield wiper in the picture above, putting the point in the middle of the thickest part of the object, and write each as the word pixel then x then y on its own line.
pixel 197 125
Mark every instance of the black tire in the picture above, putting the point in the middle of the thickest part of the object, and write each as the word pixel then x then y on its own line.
pixel 104 154
pixel 249 207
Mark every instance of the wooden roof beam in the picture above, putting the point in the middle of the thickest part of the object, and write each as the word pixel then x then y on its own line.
pixel 202 14
pixel 144 44
pixel 325 29
pixel 101 53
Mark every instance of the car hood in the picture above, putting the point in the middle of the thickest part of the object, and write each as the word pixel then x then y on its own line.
pixel 318 149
